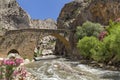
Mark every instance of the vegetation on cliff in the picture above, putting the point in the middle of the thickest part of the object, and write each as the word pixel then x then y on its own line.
pixel 89 29
pixel 107 49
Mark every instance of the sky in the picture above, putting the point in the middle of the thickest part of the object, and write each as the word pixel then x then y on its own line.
pixel 43 9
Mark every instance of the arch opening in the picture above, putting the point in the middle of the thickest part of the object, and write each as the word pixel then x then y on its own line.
pixel 62 39
pixel 13 51
pixel 48 44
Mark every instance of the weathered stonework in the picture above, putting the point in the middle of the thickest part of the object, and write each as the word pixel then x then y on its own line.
pixel 25 40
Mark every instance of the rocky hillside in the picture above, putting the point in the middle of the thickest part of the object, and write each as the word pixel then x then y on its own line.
pixel 79 11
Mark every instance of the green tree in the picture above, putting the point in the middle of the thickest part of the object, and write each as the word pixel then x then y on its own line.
pixel 91 48
pixel 89 29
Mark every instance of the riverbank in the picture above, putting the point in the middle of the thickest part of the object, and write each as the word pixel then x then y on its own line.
pixel 81 61
pixel 65 69
pixel 96 64
pixel 100 65
pixel 62 64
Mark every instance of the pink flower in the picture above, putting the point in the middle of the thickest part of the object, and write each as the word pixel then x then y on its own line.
pixel 21 72
pixel 18 61
pixel 9 62
pixel 11 65
pixel 102 35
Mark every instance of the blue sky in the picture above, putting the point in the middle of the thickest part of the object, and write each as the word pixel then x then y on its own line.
pixel 43 9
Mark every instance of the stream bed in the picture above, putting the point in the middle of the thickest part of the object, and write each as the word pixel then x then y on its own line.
pixel 63 69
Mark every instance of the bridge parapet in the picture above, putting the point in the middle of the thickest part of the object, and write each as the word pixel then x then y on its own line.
pixel 25 40
pixel 38 30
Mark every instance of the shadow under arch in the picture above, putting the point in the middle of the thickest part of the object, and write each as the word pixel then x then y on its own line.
pixel 62 39
pixel 13 51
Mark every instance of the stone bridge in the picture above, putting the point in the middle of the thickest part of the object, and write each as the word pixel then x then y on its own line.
pixel 25 40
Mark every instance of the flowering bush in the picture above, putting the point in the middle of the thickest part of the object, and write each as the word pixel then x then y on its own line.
pixel 102 35
pixel 8 68
pixel 20 73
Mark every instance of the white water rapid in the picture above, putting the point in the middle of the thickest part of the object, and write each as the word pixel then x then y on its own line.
pixel 62 69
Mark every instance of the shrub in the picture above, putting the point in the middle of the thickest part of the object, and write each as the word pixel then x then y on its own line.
pixel 116 47
pixel 89 29
pixel 113 40
pixel 91 48
pixel 112 44
pixel 113 28
pixel 109 45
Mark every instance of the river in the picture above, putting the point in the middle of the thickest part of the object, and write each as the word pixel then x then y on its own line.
pixel 63 69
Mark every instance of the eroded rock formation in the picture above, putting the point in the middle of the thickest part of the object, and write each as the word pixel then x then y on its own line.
pixel 12 16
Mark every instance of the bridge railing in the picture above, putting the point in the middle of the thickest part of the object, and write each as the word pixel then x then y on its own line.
pixel 38 30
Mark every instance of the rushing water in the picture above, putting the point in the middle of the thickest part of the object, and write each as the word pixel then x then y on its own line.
pixel 62 69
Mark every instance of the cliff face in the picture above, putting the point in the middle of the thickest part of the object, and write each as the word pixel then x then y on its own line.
pixel 44 24
pixel 100 11
pixel 12 16
pixel 79 11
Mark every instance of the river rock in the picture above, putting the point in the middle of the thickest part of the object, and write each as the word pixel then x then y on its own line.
pixel 47 52
pixel 101 65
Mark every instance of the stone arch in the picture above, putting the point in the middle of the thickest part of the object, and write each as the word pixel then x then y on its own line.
pixel 64 42
pixel 13 51
pixel 62 39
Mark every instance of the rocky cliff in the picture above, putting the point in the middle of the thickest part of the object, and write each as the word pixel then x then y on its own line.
pixel 79 11
pixel 12 16
pixel 44 24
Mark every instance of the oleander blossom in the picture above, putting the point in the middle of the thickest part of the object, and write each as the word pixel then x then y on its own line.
pixel 9 62
pixel 102 35
pixel 10 68
pixel 20 72
pixel 18 61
